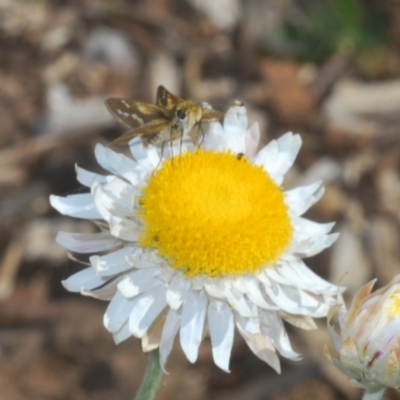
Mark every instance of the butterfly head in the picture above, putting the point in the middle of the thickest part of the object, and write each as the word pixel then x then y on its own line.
pixel 187 115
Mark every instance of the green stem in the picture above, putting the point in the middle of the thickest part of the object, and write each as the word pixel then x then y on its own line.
pixel 374 394
pixel 152 377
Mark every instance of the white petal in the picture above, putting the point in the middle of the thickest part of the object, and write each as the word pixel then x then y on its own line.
pixel 147 157
pixel 215 138
pixel 251 325
pixel 310 247
pixel 236 300
pixel 255 295
pixel 116 163
pixel 279 155
pixel 241 113
pixel 87 242
pixel 139 281
pixel 240 283
pixel 252 140
pixel 235 134
pixel 334 338
pixel 260 345
pixel 117 313
pixel 167 273
pixel 192 324
pixel 289 146
pixel 123 334
pixel 249 286
pixel 267 156
pixel 287 304
pixel 87 279
pixel 311 304
pixel 232 125
pixel 154 158
pixel 86 178
pixel 101 157
pixel 297 273
pixel 215 288
pixel 112 263
pixel 300 321
pixel 177 291
pixel 76 205
pixel 105 292
pixel 146 259
pixel 294 301
pixel 275 275
pixel 263 278
pixel 170 329
pixel 139 152
pixel 124 228
pixel 146 310
pixel 311 228
pixel 115 198
pixel 273 327
pixel 302 198
pixel 220 320
pixel 173 149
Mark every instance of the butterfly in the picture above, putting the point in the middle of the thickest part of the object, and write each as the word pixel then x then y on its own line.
pixel 170 118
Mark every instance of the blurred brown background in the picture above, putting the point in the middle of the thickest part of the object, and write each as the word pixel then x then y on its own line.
pixel 327 69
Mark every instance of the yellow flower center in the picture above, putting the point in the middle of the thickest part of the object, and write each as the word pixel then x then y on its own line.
pixel 214 214
pixel 393 309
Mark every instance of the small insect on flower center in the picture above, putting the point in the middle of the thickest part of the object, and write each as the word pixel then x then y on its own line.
pixel 214 214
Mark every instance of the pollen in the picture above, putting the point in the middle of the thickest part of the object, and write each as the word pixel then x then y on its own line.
pixel 214 214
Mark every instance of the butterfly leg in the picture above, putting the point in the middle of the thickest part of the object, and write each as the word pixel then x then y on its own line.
pixel 202 136
pixel 172 150
pixel 180 146
pixel 161 156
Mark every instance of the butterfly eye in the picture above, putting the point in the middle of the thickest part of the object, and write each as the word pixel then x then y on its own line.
pixel 181 113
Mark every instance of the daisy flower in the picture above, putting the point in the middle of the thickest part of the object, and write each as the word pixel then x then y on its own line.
pixel 201 243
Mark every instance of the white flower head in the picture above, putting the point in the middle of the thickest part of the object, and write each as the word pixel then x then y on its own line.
pixel 368 342
pixel 202 242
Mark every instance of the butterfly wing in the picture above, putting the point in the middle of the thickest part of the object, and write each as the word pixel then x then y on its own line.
pixel 149 132
pixel 167 100
pixel 211 115
pixel 135 114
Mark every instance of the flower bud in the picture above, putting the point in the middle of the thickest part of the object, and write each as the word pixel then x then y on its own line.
pixel 368 343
